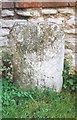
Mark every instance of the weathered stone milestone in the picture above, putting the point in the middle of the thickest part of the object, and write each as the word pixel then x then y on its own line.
pixel 38 54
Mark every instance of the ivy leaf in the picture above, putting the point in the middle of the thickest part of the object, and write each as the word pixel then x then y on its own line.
pixel 73 88
pixel 70 82
pixel 65 86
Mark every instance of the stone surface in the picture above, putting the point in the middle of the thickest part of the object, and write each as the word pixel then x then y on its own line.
pixel 0 5
pixel 71 21
pixel 0 24
pixel 66 10
pixel 3 41
pixel 4 32
pixel 6 13
pixel 36 13
pixel 70 51
pixel 71 31
pixel 49 11
pixel 38 55
pixel 37 20
pixel 56 20
pixel 28 12
pixel 23 13
pixel 71 40
pixel 7 23
pixel 70 45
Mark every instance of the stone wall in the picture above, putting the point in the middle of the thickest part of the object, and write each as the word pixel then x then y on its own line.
pixel 65 16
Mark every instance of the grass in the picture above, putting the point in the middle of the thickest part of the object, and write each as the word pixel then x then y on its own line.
pixel 36 103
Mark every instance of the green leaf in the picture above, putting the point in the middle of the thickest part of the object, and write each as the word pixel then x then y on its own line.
pixel 65 86
pixel 73 88
pixel 19 94
pixel 70 81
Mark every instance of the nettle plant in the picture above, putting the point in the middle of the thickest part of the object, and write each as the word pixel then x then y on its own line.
pixel 7 66
pixel 69 77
